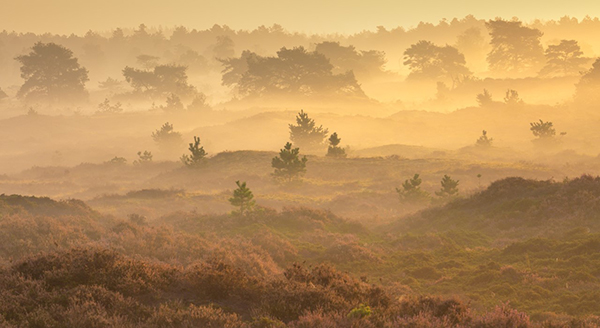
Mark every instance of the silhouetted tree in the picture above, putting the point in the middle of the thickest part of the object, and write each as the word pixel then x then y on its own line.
pixel 196 159
pixel 512 98
pixel 235 68
pixel 143 158
pixel 543 130
pixel 293 72
pixel 334 150
pixel 52 73
pixel 411 190
pixel 471 43
pixel 365 64
pixel 449 187
pixel 426 60
pixel 199 103
pixel 117 161
pixel 515 48
pixel 563 59
pixel 306 134
pixel 161 81
pixel 174 104
pixel 242 198
pixel 485 99
pixel 588 89
pixel 484 141
pixel 288 165
pixel 224 48
pixel 166 137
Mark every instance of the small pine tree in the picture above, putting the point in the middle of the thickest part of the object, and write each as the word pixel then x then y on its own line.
pixel 512 98
pixel 197 157
pixel 334 150
pixel 242 198
pixel 117 161
pixel 166 137
pixel 174 104
pixel 288 165
pixel 449 187
pixel 143 158
pixel 306 134
pixel 484 99
pixel 542 130
pixel 106 108
pixel 411 189
pixel 484 141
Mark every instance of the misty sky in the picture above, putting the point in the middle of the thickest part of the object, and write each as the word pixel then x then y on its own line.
pixel 344 16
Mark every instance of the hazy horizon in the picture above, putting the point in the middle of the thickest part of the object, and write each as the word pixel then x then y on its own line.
pixel 307 17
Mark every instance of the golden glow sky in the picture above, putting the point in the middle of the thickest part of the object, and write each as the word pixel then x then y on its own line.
pixel 344 16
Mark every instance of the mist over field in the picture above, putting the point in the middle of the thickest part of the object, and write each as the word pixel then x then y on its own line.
pixel 226 169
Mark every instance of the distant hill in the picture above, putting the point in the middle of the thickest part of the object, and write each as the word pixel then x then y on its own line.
pixel 517 208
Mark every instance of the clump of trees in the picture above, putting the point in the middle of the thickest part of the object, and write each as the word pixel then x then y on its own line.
pixel 588 89
pixel 293 71
pixel 106 107
pixel 365 64
pixel 334 150
pixel 516 49
pixel 563 59
pixel 288 165
pixel 197 157
pixel 242 198
pixel 429 61
pixel 159 82
pixel 51 73
pixel 306 134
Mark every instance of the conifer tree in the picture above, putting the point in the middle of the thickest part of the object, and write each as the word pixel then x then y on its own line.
pixel 288 165
pixel 197 157
pixel 242 198
pixel 307 134
pixel 485 99
pixel 334 150
pixel 167 138
pixel 449 187
pixel 143 158
pixel 484 141
pixel 411 189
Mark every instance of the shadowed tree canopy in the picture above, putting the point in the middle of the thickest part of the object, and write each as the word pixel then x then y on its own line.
pixel 234 68
pixel 588 88
pixel 161 81
pixel 563 59
pixel 429 61
pixel 365 64
pixel 515 48
pixel 292 72
pixel 52 73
